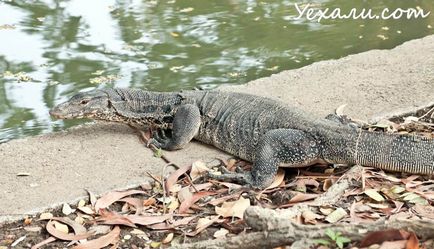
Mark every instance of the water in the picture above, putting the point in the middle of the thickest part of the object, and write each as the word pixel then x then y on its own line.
pixel 51 49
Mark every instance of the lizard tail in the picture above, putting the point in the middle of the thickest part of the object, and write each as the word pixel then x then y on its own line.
pixel 394 152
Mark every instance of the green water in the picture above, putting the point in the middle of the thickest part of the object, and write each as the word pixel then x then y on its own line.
pixel 61 47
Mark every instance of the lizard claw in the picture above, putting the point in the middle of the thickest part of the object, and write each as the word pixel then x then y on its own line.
pixel 160 140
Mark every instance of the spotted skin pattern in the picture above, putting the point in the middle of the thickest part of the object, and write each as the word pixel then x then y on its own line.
pixel 266 132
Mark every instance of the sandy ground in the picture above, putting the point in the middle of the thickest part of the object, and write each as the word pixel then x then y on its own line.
pixel 105 156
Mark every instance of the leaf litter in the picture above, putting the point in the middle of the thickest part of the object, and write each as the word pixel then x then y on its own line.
pixel 191 207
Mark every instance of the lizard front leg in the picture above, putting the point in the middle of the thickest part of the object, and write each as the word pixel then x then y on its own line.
pixel 279 147
pixel 186 123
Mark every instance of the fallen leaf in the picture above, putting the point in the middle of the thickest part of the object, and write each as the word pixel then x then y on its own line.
pixel 413 242
pixel 300 197
pixel 149 202
pixel 336 215
pixel 310 217
pixel 198 169
pixel 373 194
pixel 148 220
pixel 112 197
pixel 86 210
pixel 65 236
pixel 184 194
pixel 234 208
pixel 44 242
pixel 173 178
pixel 174 204
pixel 221 233
pixel 17 241
pixel 67 210
pixel 202 224
pixel 92 197
pixel 278 179
pixel 135 202
pixel 202 186
pixel 113 218
pixel 155 244
pixel 100 229
pixel 380 236
pixel 102 241
pixel 302 183
pixel 45 216
pixel 78 228
pixel 414 198
pixel 61 227
pixel 168 238
pixel 397 244
pixel 186 204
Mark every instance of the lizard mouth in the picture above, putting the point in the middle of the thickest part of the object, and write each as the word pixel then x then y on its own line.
pixel 59 115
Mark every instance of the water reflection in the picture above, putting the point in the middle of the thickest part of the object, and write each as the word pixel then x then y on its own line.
pixel 65 46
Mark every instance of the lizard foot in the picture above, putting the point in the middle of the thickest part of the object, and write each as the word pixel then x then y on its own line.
pixel 160 140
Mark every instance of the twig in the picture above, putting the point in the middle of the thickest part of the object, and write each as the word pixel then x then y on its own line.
pixel 426 114
pixel 293 232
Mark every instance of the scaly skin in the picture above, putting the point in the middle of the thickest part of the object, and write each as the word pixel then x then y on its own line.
pixel 264 131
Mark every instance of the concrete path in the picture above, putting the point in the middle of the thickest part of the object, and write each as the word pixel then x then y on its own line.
pixel 103 157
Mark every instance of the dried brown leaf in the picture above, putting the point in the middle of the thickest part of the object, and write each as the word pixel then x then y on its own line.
pixel 65 236
pixel 168 238
pixel 413 242
pixel 379 237
pixel 44 242
pixel 234 208
pixel 113 218
pixel 102 241
pixel 112 197
pixel 78 228
pixel 278 179
pixel 173 178
pixel 186 204
pixel 92 198
pixel 202 224
pixel 135 202
pixel 148 220
pixel 198 169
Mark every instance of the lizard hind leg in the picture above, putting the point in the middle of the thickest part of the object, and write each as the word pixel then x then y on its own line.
pixel 288 147
pixel 282 147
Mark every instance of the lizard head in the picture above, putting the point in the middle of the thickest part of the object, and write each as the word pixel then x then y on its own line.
pixel 92 104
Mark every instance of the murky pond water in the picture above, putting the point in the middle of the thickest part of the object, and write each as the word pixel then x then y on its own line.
pixel 52 49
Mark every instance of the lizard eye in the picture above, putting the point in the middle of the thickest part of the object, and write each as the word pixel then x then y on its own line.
pixel 85 101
